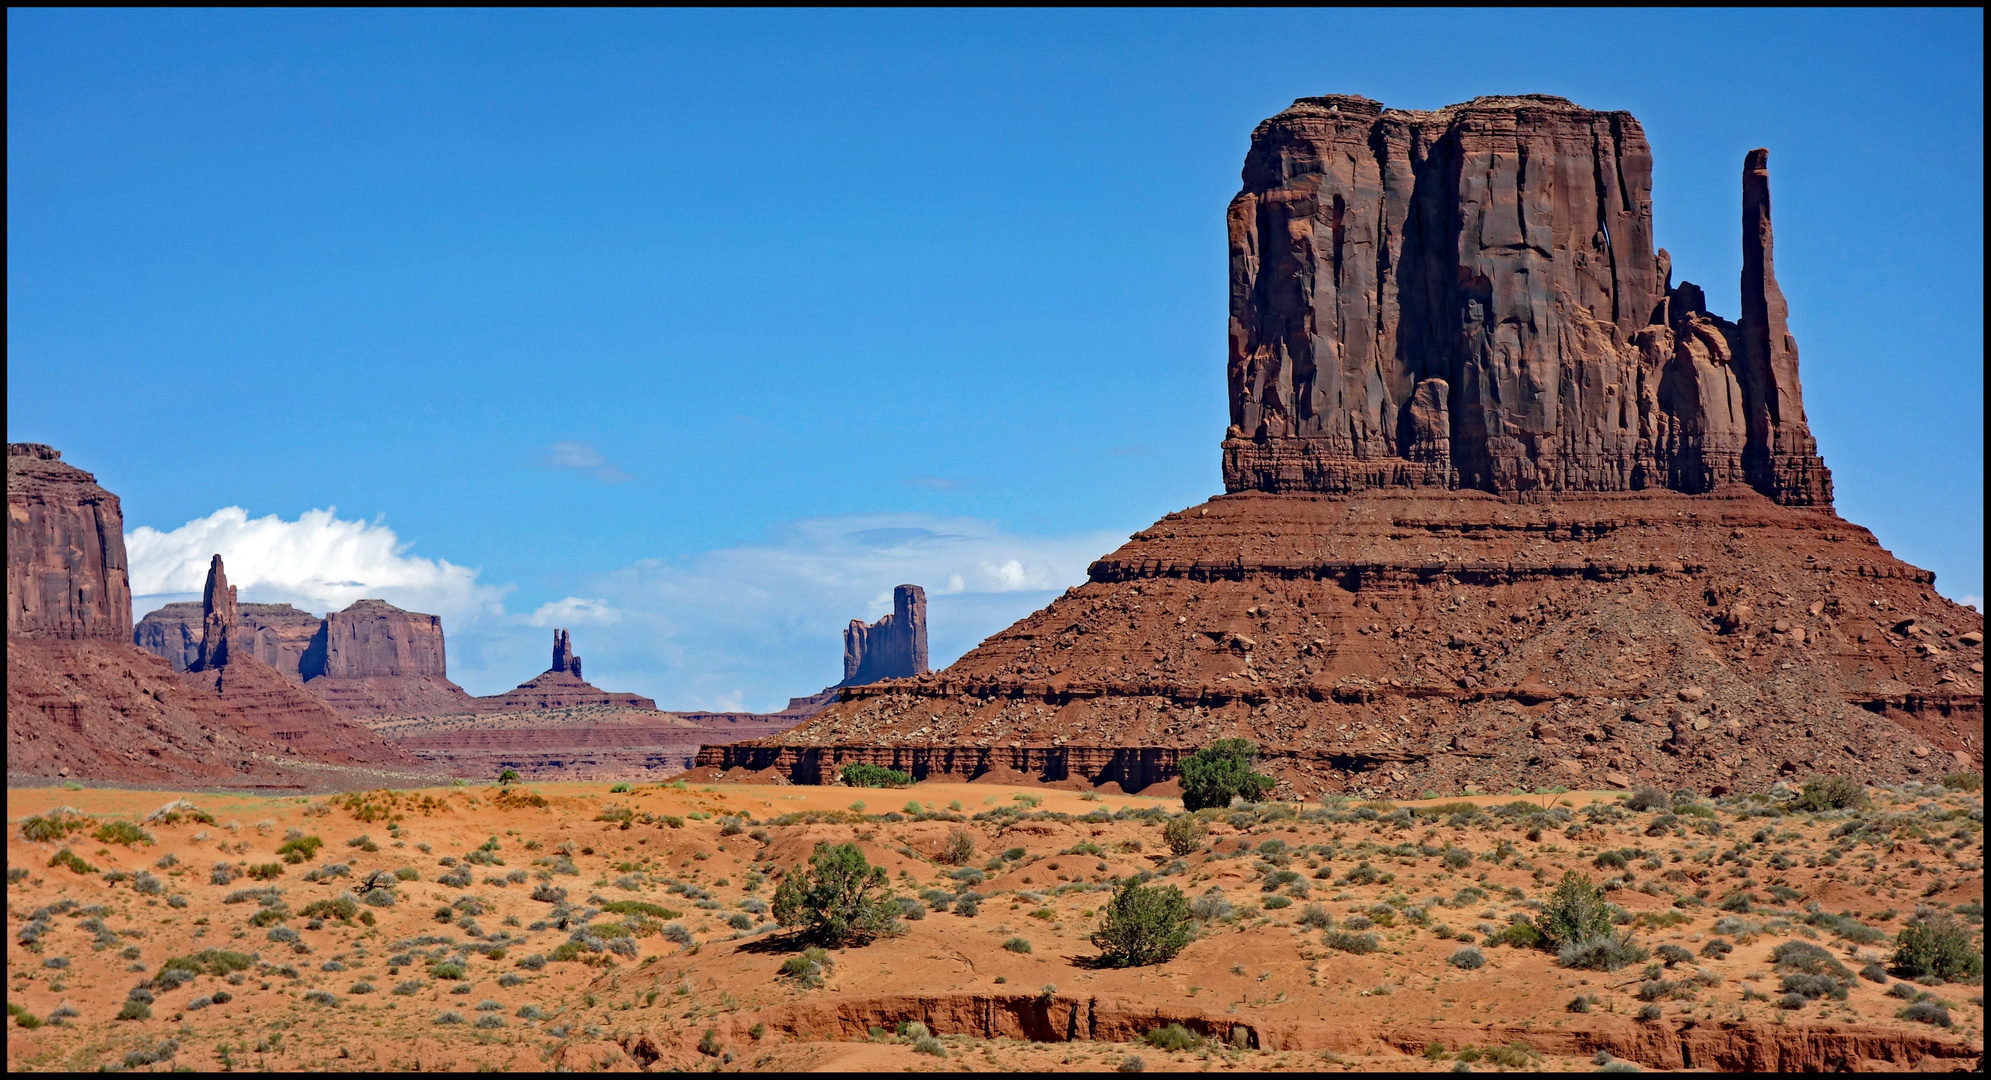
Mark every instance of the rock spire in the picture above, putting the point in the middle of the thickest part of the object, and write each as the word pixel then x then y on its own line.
pixel 565 659
pixel 218 617
pixel 894 647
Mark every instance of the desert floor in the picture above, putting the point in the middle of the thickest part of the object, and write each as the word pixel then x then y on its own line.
pixel 461 971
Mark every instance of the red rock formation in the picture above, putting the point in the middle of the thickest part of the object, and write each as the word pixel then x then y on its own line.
pixel 1507 509
pixel 559 687
pixel 217 606
pixel 66 572
pixel 84 702
pixel 270 704
pixel 278 634
pixel 894 647
pixel 374 659
pixel 1457 298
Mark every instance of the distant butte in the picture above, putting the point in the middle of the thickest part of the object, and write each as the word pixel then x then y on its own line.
pixel 1505 508
pixel 559 687
pixel 83 702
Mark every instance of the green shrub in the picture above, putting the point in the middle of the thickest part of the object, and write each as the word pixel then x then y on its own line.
pixel 302 849
pixel 135 1009
pixel 639 907
pixel 1351 942
pixel 1964 781
pixel 1017 945
pixel 1214 775
pixel 342 907
pixel 73 861
pixel 1937 945
pixel 1831 793
pixel 1521 934
pixel 266 871
pixel 1927 1012
pixel 1144 924
pixel 1184 834
pixel 1172 1037
pixel 508 776
pixel 808 967
pixel 866 775
pixel 841 900
pixel 121 832
pixel 1606 953
pixel 959 849
pixel 54 827
pixel 446 970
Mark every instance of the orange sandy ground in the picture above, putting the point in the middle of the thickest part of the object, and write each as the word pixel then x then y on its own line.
pixel 1259 976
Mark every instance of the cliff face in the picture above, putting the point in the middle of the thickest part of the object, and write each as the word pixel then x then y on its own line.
pixel 894 647
pixel 373 637
pixel 276 634
pixel 1470 298
pixel 66 572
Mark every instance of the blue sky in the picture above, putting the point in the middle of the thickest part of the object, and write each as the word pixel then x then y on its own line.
pixel 699 331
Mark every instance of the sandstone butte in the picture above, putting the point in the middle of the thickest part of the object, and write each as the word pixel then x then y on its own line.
pixel 1504 507
pixel 84 701
pixel 372 659
pixel 894 647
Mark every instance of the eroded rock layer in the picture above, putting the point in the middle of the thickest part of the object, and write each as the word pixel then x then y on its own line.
pixel 1405 641
pixel 1471 298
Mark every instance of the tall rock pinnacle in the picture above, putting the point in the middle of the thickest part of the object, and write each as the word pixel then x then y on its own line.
pixel 1781 451
pixel 565 659
pixel 218 615
pixel 894 647
pixel 1470 298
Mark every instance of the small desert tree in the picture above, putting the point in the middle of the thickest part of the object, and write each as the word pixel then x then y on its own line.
pixel 1144 924
pixel 1221 771
pixel 840 900
pixel 1184 834
pixel 1575 912
pixel 1936 944
pixel 509 776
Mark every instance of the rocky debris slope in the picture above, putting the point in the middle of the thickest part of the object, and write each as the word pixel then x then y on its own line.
pixel 1507 508
pixel 1400 642
pixel 66 571
pixel 894 647
pixel 559 687
pixel 1471 298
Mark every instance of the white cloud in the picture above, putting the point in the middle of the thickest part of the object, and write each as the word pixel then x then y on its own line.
pixel 574 611
pixel 583 457
pixel 734 628
pixel 318 562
